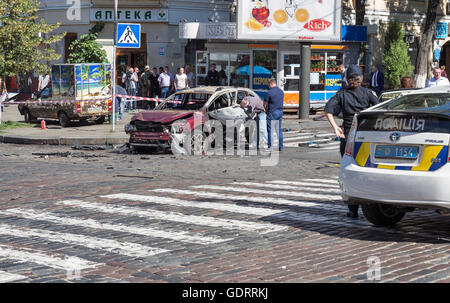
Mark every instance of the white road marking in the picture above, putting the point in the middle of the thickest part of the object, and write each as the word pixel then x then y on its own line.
pixel 271 200
pixel 266 185
pixel 124 248
pixel 297 138
pixel 64 262
pixel 197 204
pixel 90 223
pixel 6 277
pixel 175 217
pixel 326 181
pixel 268 192
pixel 301 183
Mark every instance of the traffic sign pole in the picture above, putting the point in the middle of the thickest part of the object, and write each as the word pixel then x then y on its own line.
pixel 113 80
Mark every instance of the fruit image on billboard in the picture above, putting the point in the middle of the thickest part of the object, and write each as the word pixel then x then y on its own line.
pixel 295 20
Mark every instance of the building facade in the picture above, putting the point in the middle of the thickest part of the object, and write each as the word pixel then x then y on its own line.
pixel 159 19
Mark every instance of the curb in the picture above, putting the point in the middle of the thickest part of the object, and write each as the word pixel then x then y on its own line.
pixel 63 141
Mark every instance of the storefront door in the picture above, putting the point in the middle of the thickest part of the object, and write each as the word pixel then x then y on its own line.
pixel 290 77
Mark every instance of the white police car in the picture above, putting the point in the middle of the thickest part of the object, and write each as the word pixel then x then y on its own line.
pixel 397 156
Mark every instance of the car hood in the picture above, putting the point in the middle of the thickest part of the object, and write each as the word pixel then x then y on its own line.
pixel 162 116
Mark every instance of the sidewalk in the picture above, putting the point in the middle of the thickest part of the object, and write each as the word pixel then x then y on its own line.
pixel 88 133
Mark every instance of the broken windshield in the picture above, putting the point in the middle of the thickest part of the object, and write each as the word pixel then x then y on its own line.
pixel 186 101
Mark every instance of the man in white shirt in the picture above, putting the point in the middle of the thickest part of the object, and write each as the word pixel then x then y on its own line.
pixel 164 82
pixel 181 80
pixel 437 80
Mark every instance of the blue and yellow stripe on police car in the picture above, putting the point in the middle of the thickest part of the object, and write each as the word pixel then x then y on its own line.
pixel 433 158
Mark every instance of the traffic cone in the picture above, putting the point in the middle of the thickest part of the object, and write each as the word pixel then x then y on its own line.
pixel 43 124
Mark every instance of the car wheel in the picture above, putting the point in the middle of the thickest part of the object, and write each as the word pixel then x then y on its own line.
pixel 100 120
pixel 382 214
pixel 63 119
pixel 27 116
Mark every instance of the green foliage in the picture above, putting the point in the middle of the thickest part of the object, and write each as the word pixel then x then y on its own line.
pixel 14 124
pixel 21 48
pixel 396 61
pixel 394 33
pixel 87 49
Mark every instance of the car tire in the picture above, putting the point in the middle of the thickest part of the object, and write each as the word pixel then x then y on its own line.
pixel 382 214
pixel 100 120
pixel 63 119
pixel 27 116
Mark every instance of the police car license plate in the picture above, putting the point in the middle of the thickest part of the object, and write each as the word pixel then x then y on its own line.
pixel 396 152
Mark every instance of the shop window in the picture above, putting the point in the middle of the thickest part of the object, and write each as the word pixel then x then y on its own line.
pixel 264 68
pixel 318 71
pixel 240 70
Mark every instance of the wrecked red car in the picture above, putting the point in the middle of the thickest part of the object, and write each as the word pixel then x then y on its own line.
pixel 187 109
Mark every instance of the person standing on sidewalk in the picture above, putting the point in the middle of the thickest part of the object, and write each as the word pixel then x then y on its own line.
pixel 349 101
pixel 213 76
pixel 131 80
pixel 181 81
pixel 273 102
pixel 154 84
pixel 164 83
pixel 144 82
pixel 254 105
pixel 190 76
pixel 3 92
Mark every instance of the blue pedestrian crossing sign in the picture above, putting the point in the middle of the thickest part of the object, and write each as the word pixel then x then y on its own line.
pixel 128 35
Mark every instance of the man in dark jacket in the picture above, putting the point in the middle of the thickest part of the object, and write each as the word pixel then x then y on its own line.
pixel 349 101
pixel 274 102
pixel 213 76
pixel 376 80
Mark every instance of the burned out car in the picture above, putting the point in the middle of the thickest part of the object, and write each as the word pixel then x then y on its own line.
pixel 76 92
pixel 187 110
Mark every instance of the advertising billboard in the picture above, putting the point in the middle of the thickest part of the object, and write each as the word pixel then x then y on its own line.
pixel 293 20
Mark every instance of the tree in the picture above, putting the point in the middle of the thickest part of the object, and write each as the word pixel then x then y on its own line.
pixel 396 61
pixel 87 49
pixel 426 44
pixel 360 10
pixel 24 41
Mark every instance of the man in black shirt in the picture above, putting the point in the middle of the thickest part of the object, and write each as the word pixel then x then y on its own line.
pixel 154 84
pixel 213 76
pixel 349 101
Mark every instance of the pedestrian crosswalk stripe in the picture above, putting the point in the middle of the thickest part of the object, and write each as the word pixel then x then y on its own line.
pixel 90 223
pixel 327 181
pixel 268 185
pixel 309 183
pixel 24 255
pixel 278 201
pixel 175 217
pixel 197 204
pixel 296 138
pixel 275 193
pixel 6 277
pixel 123 248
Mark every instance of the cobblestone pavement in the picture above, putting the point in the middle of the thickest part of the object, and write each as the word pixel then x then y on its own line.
pixel 111 216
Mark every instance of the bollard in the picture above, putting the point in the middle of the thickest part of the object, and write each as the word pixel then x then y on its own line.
pixel 43 124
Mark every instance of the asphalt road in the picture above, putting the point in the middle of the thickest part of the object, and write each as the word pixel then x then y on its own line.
pixel 112 216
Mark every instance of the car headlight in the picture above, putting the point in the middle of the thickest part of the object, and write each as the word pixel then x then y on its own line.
pixel 130 128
